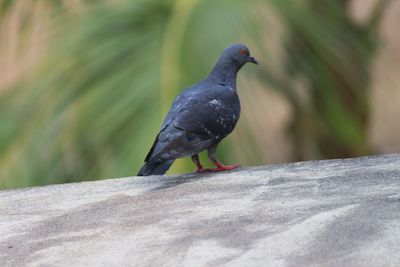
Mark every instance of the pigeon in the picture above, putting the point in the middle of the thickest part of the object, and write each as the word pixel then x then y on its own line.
pixel 200 117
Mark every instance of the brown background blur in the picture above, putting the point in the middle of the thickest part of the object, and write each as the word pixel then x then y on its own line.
pixel 28 30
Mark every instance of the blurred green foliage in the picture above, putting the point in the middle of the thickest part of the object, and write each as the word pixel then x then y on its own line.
pixel 91 109
pixel 333 52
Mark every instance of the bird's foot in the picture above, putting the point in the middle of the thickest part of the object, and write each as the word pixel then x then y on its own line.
pixel 225 168
pixel 218 169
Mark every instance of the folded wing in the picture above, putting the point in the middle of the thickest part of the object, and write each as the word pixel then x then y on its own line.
pixel 198 118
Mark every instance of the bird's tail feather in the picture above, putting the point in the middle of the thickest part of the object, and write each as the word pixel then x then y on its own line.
pixel 155 167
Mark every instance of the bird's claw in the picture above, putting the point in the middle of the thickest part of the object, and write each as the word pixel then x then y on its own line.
pixel 218 169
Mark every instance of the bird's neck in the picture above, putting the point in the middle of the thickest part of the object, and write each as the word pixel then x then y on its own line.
pixel 225 73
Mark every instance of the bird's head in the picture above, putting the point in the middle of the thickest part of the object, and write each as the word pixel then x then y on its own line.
pixel 237 54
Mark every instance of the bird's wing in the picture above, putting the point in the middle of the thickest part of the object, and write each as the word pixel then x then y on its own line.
pixel 211 112
pixel 197 119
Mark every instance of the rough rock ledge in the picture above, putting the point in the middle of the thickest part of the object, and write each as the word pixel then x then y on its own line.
pixel 318 213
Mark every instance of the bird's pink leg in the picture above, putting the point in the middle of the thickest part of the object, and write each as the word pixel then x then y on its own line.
pixel 221 167
pixel 196 161
pixel 211 155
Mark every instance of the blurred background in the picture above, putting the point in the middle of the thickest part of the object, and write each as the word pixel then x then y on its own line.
pixel 85 85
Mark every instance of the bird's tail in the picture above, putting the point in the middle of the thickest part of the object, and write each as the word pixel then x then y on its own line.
pixel 155 167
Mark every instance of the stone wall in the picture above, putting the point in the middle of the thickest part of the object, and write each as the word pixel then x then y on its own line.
pixel 321 213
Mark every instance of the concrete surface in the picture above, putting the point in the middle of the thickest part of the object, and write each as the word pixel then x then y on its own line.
pixel 320 213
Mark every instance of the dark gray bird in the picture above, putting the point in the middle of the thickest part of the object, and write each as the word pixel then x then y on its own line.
pixel 200 117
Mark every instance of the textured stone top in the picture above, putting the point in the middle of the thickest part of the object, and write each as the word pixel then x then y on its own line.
pixel 317 213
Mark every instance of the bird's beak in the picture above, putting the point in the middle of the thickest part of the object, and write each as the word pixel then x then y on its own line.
pixel 253 60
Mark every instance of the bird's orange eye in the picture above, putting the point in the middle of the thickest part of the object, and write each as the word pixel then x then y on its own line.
pixel 242 52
